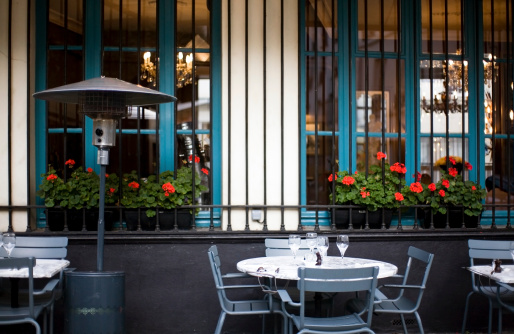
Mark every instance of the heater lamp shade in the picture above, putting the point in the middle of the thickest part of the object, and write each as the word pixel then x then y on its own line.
pixel 126 94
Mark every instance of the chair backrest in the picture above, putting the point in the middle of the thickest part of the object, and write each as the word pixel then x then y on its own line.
pixel 426 259
pixel 489 250
pixel 280 247
pixel 215 262
pixel 39 247
pixel 338 280
pixel 22 263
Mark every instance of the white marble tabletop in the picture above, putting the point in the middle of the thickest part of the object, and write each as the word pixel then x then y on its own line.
pixel 506 276
pixel 285 267
pixel 44 268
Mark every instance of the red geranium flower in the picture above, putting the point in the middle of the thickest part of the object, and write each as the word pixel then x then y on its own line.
pixel 442 193
pixel 417 176
pixel 70 162
pixel 90 170
pixel 416 187
pixel 446 183
pixel 399 196
pixel 453 171
pixel 468 166
pixel 168 188
pixel 51 177
pixel 206 171
pixel 332 177
pixel 452 160
pixel 133 185
pixel 432 187
pixel 364 193
pixel 399 168
pixel 197 158
pixel 348 180
pixel 473 188
pixel 381 155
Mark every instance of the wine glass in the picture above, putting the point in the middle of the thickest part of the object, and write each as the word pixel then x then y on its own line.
pixel 342 243
pixel 311 240
pixel 9 241
pixel 294 243
pixel 322 244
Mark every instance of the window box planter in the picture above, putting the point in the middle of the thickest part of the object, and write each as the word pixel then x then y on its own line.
pixel 342 218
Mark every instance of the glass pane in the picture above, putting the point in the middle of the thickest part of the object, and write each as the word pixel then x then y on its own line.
pixel 445 17
pixel 498 98
pixel 56 148
pixel 378 19
pixel 437 146
pixel 148 31
pixel 322 87
pixel 434 104
pixel 111 27
pixel 320 26
pixel 65 22
pixel 374 145
pixel 317 183
pixel 499 172
pixel 498 35
pixel 145 156
pixel 393 101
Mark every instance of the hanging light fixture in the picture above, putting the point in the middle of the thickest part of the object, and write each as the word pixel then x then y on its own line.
pixel 184 70
pixel 148 69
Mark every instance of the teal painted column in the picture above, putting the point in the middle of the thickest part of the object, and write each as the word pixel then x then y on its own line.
pixel 166 53
pixel 93 69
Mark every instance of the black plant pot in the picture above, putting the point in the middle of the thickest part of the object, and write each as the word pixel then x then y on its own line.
pixel 455 218
pixel 131 217
pixel 55 219
pixel 167 219
pixel 342 218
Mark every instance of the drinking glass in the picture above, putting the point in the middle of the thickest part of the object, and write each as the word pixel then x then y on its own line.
pixel 322 245
pixel 311 240
pixel 512 250
pixel 9 241
pixel 342 243
pixel 294 243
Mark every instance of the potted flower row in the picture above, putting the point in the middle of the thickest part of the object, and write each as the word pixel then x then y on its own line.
pixel 161 195
pixel 77 198
pixel 384 190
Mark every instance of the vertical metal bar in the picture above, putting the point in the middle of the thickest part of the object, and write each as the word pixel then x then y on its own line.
pixel 431 75
pixel 229 112
pixel 509 107
pixel 493 111
pixel 447 91
pixel 334 115
pixel 28 100
pixel 398 93
pixel 193 116
pixel 301 56
pixel 382 101
pixel 417 109
pixel 9 118
pixel 282 114
pixel 120 29
pixel 264 119
pixel 211 125
pixel 316 138
pixel 138 116
pixel 247 224
pixel 366 88
pixel 464 109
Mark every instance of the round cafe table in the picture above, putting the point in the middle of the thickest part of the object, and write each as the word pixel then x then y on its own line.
pixel 285 267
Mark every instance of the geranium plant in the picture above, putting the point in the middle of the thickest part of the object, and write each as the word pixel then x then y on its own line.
pixel 381 189
pixel 83 189
pixel 52 188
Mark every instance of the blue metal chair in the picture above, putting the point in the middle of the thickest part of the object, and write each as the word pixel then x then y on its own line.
pixel 43 248
pixel 487 251
pixel 402 304
pixel 280 247
pixel 24 313
pixel 333 281
pixel 239 307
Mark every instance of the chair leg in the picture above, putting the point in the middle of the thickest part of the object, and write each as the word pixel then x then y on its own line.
pixel 463 331
pixel 420 325
pixel 490 325
pixel 404 324
pixel 221 320
pixel 499 319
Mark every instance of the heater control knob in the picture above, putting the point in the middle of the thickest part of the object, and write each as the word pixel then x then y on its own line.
pixel 99 132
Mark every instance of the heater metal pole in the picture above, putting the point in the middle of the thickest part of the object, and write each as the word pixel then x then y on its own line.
pixel 103 161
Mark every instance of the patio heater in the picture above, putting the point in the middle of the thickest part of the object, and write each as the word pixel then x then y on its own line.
pixel 105 101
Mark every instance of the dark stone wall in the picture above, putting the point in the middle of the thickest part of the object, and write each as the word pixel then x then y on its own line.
pixel 170 289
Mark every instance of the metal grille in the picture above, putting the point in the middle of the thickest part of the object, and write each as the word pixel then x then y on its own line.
pixel 103 102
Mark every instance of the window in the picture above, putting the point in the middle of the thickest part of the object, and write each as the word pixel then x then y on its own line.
pixel 157 44
pixel 403 78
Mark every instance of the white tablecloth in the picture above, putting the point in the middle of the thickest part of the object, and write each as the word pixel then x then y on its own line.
pixel 43 268
pixel 506 276
pixel 288 268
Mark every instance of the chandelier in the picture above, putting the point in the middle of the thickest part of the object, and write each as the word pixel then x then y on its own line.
pixel 184 70
pixel 489 65
pixel 439 104
pixel 148 69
